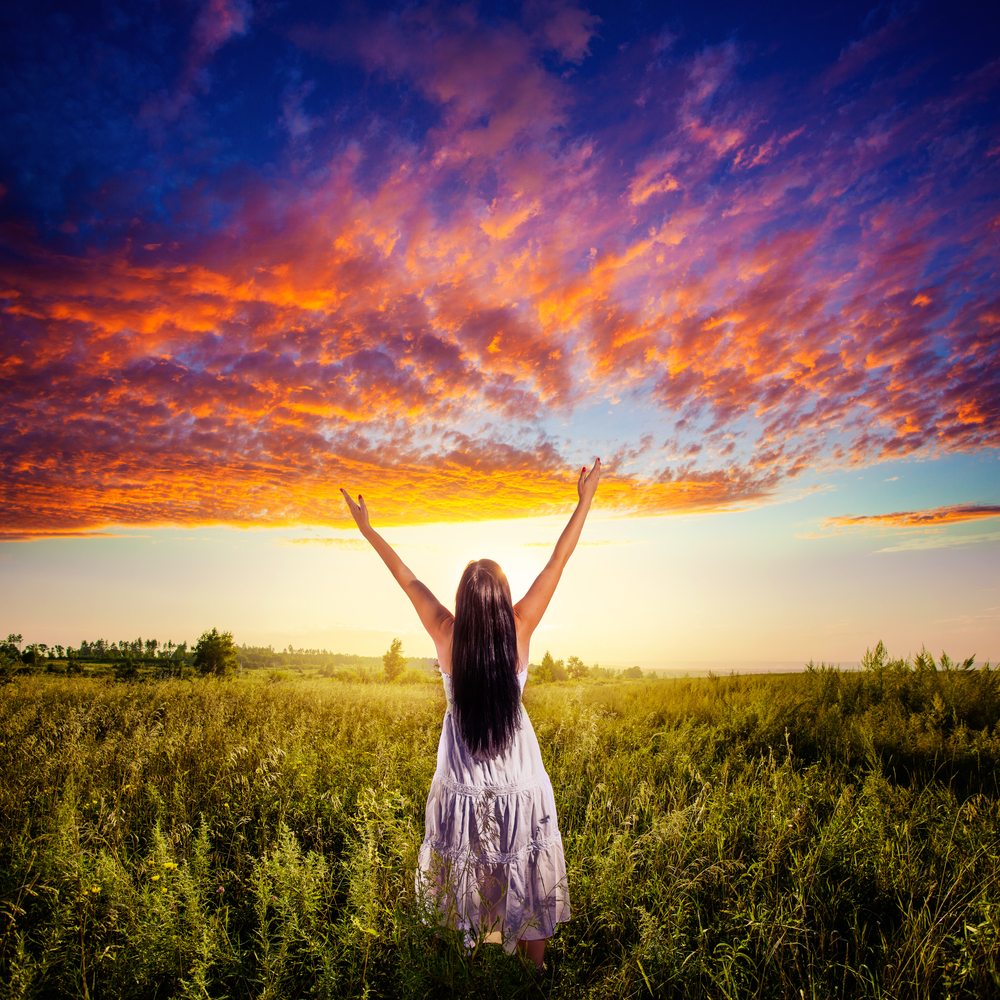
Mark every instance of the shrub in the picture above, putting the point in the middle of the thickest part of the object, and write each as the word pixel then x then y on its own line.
pixel 216 654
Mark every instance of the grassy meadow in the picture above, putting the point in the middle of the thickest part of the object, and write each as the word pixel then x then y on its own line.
pixel 815 835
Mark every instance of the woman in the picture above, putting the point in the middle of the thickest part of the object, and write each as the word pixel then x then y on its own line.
pixel 492 857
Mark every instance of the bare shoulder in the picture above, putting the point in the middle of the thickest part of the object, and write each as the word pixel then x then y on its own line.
pixel 523 625
pixel 442 644
pixel 523 640
pixel 445 625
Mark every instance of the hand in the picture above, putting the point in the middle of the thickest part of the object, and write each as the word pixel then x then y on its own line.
pixel 358 510
pixel 587 484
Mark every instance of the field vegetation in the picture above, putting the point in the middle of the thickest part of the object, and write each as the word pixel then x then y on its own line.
pixel 818 835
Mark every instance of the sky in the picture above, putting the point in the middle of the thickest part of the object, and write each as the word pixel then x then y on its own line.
pixel 444 255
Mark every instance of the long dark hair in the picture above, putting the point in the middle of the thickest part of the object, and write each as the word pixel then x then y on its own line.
pixel 487 696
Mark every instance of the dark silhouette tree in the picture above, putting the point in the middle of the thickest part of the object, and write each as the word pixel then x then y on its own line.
pixel 10 657
pixel 216 654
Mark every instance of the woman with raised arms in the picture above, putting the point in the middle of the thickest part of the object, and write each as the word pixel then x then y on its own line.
pixel 492 856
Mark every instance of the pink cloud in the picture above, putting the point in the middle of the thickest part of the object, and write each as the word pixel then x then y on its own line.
pixel 565 28
pixel 217 22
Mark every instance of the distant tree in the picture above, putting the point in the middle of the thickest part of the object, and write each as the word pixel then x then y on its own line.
pixel 542 674
pixel 393 661
pixel 632 673
pixel 550 669
pixel 215 654
pixel 10 657
pixel 576 668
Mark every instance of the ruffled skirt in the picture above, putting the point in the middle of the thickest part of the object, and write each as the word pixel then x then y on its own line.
pixel 492 860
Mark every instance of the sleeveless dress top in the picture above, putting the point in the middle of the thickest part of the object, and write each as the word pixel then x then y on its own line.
pixel 492 857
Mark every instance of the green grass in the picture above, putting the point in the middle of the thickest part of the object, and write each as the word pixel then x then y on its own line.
pixel 814 835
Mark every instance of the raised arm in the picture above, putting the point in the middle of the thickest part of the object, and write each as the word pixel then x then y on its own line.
pixel 434 616
pixel 531 607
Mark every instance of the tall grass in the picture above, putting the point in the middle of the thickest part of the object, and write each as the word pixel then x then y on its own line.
pixel 817 835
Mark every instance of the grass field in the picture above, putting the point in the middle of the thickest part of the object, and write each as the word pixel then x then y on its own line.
pixel 815 835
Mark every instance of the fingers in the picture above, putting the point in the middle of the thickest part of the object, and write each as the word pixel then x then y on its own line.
pixel 350 500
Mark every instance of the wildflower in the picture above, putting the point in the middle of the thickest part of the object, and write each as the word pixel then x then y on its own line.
pixel 95 889
pixel 220 890
pixel 154 878
pixel 170 865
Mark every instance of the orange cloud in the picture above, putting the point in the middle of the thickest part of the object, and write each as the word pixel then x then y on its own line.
pixel 652 179
pixel 918 518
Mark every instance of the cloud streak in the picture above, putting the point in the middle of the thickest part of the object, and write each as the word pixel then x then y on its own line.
pixel 423 302
pixel 930 518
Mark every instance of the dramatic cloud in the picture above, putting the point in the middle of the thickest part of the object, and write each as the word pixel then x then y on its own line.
pixel 442 258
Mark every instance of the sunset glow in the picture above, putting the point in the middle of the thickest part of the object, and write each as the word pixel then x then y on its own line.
pixel 444 256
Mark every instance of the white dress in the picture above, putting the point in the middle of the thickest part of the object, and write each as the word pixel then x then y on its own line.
pixel 492 857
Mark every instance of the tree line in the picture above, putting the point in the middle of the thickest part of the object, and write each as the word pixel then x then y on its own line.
pixel 97 650
pixel 574 669
pixel 216 653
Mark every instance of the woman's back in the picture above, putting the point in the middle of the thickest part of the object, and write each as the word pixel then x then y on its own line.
pixel 517 764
